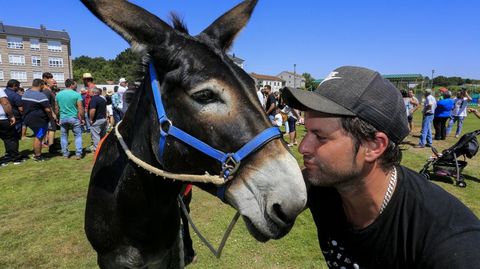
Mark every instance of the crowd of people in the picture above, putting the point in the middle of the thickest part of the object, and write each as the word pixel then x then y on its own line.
pixel 443 114
pixel 44 108
pixel 279 113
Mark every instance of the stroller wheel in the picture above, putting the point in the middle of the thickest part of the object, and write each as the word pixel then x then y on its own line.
pixel 426 175
pixel 461 184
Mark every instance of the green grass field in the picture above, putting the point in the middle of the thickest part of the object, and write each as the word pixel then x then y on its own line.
pixel 42 207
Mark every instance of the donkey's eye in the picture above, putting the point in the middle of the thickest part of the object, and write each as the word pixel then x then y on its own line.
pixel 205 96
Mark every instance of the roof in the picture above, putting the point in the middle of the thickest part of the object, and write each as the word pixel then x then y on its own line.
pixel 291 73
pixel 403 76
pixel 265 77
pixel 42 32
pixel 236 59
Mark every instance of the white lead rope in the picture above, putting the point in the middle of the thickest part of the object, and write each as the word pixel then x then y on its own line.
pixel 217 180
pixel 207 178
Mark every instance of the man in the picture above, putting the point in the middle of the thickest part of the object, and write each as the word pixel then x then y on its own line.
pixel 87 96
pixel 270 102
pixel 98 117
pixel 118 104
pixel 15 100
pixel 261 98
pixel 47 89
pixel 38 114
pixel 70 108
pixel 412 107
pixel 370 212
pixel 428 109
pixel 7 133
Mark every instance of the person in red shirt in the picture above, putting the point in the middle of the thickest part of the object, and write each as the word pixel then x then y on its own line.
pixel 87 93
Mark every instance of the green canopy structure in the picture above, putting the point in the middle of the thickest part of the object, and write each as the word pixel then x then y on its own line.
pixel 404 80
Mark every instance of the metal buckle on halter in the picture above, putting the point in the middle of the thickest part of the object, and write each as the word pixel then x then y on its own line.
pixel 229 167
pixel 165 123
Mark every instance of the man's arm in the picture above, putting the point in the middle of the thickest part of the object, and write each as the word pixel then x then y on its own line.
pixel 271 108
pixel 468 96
pixel 8 109
pixel 57 108
pixel 475 112
pixel 50 114
pixel 81 112
pixel 91 114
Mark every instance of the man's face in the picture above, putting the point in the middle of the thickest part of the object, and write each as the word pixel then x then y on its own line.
pixel 328 151
pixel 123 84
pixel 410 93
pixel 50 82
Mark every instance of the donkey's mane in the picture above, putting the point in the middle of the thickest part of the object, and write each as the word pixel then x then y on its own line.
pixel 178 23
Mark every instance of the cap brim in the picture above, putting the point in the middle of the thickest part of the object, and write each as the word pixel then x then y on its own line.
pixel 306 100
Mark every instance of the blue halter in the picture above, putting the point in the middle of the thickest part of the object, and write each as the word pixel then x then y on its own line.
pixel 230 161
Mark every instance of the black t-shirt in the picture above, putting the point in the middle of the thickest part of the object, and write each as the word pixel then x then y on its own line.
pixel 50 95
pixel 422 226
pixel 34 104
pixel 15 100
pixel 100 104
pixel 271 100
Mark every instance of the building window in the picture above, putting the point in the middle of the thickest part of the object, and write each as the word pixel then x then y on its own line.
pixel 59 77
pixel 1 75
pixel 55 62
pixel 14 42
pixel 34 44
pixel 19 75
pixel 37 74
pixel 54 45
pixel 16 59
pixel 36 60
pixel 0 58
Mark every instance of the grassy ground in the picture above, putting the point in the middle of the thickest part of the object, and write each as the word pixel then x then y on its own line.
pixel 42 207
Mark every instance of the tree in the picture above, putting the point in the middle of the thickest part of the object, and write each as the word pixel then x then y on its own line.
pixel 309 81
pixel 126 64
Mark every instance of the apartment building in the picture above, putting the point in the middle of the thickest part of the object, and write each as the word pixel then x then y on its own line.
pixel 292 80
pixel 25 53
pixel 261 80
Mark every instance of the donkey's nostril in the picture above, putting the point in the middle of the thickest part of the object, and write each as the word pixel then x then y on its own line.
pixel 277 209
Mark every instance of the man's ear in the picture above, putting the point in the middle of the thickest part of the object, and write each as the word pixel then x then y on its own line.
pixel 376 147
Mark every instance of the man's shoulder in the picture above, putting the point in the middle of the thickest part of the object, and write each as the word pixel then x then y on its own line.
pixel 31 94
pixel 434 202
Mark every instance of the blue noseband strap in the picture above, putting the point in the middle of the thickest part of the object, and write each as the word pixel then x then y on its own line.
pixel 230 161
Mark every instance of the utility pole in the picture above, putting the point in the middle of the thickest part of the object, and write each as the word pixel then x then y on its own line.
pixel 294 76
pixel 431 83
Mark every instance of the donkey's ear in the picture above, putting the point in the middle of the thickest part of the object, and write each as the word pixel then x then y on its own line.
pixel 132 22
pixel 224 30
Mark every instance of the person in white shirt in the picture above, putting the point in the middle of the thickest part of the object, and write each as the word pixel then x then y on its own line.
pixel 428 108
pixel 459 112
pixel 261 97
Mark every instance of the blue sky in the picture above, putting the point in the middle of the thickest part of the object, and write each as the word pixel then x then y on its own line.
pixel 392 37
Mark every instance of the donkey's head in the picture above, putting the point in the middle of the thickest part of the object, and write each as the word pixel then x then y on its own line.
pixel 208 96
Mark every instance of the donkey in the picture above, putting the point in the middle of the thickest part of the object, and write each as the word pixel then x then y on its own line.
pixel 132 216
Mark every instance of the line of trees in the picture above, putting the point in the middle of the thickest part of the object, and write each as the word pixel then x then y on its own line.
pixel 453 81
pixel 125 65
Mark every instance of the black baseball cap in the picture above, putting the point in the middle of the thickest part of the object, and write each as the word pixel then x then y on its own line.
pixel 356 91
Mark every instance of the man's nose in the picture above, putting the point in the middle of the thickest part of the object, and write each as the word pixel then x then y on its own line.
pixel 303 148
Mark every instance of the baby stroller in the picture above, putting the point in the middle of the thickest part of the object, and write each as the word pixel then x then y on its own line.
pixel 448 164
